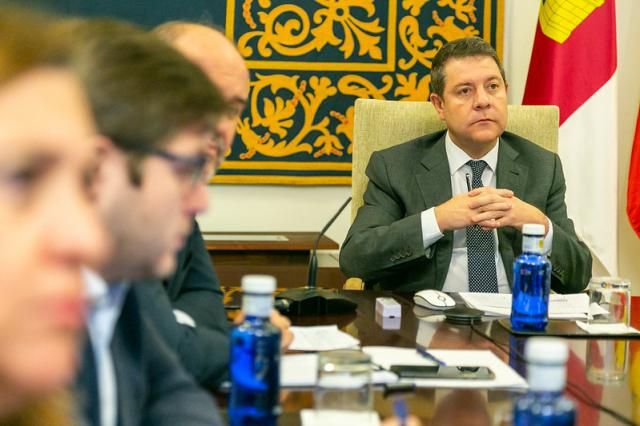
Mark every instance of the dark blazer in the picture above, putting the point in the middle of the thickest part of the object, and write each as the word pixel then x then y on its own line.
pixel 384 244
pixel 153 388
pixel 194 289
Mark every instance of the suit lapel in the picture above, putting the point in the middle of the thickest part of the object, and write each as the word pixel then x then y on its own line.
pixel 511 174
pixel 434 180
pixel 129 362
pixel 87 392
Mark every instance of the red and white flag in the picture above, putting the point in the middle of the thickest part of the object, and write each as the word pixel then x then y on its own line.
pixel 573 66
pixel 633 190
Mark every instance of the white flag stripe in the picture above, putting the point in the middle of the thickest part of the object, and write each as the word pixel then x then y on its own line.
pixel 588 148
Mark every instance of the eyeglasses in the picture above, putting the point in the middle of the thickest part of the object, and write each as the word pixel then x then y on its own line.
pixel 216 146
pixel 187 167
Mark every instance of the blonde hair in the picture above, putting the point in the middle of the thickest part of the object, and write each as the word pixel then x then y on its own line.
pixel 56 410
pixel 27 42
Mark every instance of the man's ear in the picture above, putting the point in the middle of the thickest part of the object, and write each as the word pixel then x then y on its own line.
pixel 438 104
pixel 104 151
pixel 103 146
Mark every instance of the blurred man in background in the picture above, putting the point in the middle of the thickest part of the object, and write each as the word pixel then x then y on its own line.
pixel 157 112
pixel 189 312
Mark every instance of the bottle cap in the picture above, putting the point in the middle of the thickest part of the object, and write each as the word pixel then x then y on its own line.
pixel 533 229
pixel 258 284
pixel 546 350
pixel 546 359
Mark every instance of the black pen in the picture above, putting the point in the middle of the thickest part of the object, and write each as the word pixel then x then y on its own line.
pixel 468 181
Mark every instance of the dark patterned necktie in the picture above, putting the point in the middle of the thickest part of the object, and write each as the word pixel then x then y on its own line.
pixel 481 260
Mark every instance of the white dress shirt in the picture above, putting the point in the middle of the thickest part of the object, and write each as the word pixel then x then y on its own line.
pixel 458 275
pixel 105 304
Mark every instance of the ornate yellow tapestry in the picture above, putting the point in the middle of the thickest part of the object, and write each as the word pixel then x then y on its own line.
pixel 309 61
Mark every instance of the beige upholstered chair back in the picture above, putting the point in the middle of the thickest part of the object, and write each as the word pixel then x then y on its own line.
pixel 379 124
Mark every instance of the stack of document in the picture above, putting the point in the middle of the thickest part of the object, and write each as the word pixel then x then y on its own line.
pixel 561 306
pixel 300 370
pixel 505 376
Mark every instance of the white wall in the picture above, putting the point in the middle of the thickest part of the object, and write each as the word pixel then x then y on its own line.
pixel 278 208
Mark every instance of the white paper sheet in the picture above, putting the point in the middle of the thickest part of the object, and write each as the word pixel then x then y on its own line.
pixel 339 418
pixel 561 306
pixel 300 370
pixel 506 377
pixel 321 338
pixel 615 328
pixel 595 309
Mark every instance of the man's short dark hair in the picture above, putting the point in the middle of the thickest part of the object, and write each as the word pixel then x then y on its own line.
pixel 141 90
pixel 457 49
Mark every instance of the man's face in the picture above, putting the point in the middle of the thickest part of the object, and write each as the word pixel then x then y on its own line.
pixel 49 227
pixel 474 103
pixel 232 79
pixel 152 221
pixel 233 83
pixel 234 87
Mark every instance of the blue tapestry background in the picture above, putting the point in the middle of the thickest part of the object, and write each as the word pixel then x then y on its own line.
pixel 309 61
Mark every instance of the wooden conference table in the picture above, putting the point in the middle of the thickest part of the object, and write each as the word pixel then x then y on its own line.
pixel 475 407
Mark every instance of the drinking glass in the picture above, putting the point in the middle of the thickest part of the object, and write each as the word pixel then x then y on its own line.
pixel 344 381
pixel 607 360
pixel 613 295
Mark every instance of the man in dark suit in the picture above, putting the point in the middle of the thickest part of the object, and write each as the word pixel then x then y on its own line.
pixel 157 113
pixel 188 311
pixel 445 210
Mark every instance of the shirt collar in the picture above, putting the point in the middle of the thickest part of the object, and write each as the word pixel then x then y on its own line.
pixel 458 158
pixel 95 287
pixel 98 291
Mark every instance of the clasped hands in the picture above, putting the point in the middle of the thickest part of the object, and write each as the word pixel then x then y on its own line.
pixel 491 208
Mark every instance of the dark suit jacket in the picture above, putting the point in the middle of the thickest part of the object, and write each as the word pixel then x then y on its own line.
pixel 153 388
pixel 194 289
pixel 384 244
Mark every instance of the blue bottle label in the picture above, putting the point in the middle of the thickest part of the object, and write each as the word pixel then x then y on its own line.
pixel 255 373
pixel 531 287
pixel 544 409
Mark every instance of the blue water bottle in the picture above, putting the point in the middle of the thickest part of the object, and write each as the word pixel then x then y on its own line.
pixel 531 283
pixel 545 404
pixel 255 357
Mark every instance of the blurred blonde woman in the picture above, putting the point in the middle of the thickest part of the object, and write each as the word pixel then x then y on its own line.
pixel 48 227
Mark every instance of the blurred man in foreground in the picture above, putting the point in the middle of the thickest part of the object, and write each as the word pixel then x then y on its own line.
pixel 49 227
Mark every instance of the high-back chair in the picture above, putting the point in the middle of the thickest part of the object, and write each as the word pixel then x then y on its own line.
pixel 379 124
